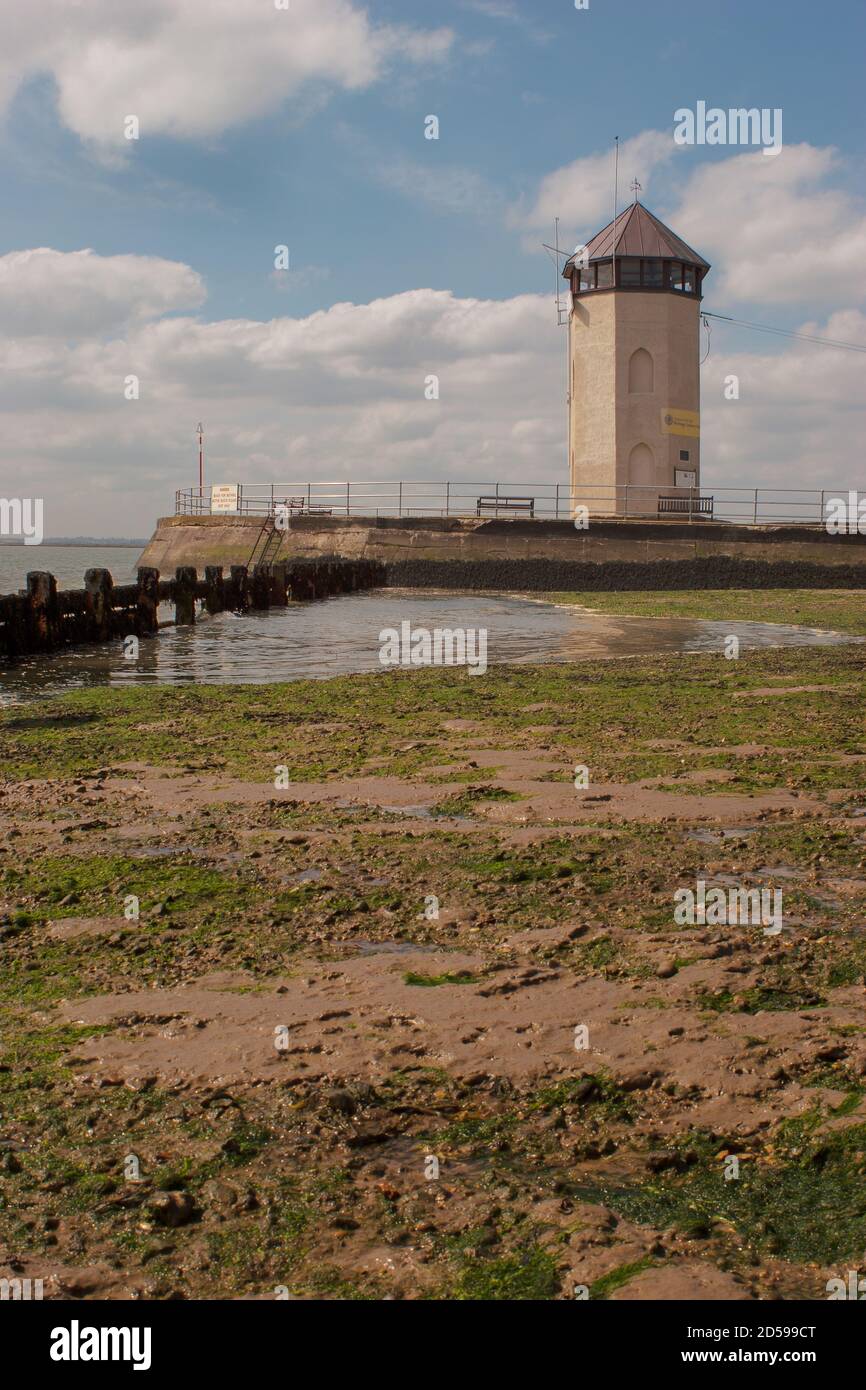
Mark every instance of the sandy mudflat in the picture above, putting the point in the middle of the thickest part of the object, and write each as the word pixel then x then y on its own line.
pixel 333 982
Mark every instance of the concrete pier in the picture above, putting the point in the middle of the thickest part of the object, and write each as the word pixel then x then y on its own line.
pixel 460 552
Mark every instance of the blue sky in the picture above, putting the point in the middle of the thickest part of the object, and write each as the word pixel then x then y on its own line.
pixel 236 156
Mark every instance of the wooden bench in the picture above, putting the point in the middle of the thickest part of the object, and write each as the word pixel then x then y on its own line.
pixel 298 505
pixel 686 506
pixel 505 504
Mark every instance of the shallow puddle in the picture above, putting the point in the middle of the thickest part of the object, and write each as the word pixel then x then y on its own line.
pixel 715 837
pixel 165 851
pixel 307 876
pixel 366 947
pixel 780 871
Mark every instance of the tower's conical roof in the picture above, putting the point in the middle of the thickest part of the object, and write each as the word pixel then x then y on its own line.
pixel 637 232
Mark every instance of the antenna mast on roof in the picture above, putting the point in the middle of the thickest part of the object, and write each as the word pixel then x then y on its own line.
pixel 563 319
pixel 559 309
pixel 615 195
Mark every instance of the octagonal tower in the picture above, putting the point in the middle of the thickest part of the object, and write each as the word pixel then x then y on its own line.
pixel 634 379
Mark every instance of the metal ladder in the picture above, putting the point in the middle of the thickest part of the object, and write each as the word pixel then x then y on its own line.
pixel 267 544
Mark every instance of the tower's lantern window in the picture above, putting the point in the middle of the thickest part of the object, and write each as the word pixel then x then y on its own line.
pixel 637 252
pixel 637 273
pixel 605 275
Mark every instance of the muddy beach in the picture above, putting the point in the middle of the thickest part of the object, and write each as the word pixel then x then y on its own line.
pixel 415 1018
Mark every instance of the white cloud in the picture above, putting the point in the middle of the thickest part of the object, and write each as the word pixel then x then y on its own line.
pixel 800 415
pixel 55 292
pixel 340 394
pixel 581 194
pixel 194 68
pixel 774 231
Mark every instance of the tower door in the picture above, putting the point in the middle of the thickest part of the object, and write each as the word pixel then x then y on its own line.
pixel 642 496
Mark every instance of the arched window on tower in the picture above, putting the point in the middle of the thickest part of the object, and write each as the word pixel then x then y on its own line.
pixel 640 372
pixel 641 465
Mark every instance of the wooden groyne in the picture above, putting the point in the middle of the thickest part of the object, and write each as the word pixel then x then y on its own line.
pixel 43 618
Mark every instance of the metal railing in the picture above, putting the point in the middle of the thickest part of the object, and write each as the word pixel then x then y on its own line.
pixel 551 501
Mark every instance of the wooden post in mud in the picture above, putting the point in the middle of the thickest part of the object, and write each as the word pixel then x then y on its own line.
pixel 185 581
pixel 98 591
pixel 11 631
pixel 240 599
pixel 260 587
pixel 279 593
pixel 302 582
pixel 213 578
pixel 42 610
pixel 40 619
pixel 147 604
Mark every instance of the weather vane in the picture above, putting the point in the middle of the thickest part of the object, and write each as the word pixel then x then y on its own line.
pixel 635 188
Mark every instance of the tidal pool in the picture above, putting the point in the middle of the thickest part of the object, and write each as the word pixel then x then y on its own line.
pixel 340 636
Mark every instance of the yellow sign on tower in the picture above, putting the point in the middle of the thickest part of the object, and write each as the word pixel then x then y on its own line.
pixel 686 422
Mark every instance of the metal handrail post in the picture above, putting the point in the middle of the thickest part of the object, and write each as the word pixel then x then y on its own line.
pixel 447 497
pixel 755 512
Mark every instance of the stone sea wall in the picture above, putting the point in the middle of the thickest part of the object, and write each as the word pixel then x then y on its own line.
pixel 519 553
